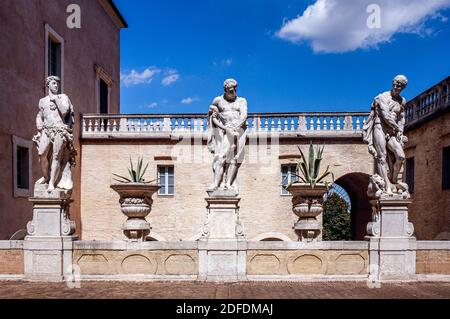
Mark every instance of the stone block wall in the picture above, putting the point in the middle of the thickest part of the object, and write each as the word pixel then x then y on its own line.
pixel 433 257
pixel 11 258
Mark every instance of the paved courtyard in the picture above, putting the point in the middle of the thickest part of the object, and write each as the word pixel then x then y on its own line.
pixel 193 290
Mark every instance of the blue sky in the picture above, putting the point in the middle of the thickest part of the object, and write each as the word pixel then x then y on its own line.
pixel 176 54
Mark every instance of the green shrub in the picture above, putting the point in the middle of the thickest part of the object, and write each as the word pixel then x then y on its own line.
pixel 336 219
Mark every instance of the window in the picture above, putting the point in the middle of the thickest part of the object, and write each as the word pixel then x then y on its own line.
pixel 21 167
pixel 446 168
pixel 288 175
pixel 166 180
pixel 54 54
pixel 410 174
pixel 103 89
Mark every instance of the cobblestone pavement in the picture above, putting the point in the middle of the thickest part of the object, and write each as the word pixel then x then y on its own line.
pixel 244 290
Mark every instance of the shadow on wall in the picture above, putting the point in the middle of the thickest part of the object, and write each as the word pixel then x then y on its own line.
pixel 355 184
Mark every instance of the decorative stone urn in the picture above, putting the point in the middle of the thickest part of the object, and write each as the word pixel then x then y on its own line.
pixel 307 205
pixel 135 203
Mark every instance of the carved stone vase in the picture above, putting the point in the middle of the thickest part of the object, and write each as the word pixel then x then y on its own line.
pixel 307 205
pixel 135 203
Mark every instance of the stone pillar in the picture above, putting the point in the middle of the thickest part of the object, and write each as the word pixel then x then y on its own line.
pixel 48 246
pixel 222 246
pixel 392 247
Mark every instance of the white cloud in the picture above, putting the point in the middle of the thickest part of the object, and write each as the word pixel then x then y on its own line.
pixel 135 78
pixel 171 77
pixel 342 25
pixel 189 100
pixel 228 61
pixel 152 105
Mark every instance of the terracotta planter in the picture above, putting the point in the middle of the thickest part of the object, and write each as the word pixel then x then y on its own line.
pixel 307 205
pixel 135 203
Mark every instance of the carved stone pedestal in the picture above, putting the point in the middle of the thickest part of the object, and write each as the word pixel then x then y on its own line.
pixel 222 246
pixel 392 246
pixel 48 246
pixel 307 205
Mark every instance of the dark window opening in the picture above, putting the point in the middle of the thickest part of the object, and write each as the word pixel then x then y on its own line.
pixel 22 168
pixel 54 58
pixel 103 97
pixel 446 168
pixel 288 175
pixel 410 174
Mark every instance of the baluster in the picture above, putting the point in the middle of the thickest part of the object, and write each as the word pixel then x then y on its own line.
pixel 358 123
pixel 90 126
pixel 332 127
pixel 279 124
pixel 114 125
pixel 292 125
pixel 325 123
pixel 96 128
pixel 318 124
pixel 285 128
pixel 311 123
pixel 272 124
pixel 266 124
pixel 182 128
pixel 257 120
pixel 176 125
pixel 338 123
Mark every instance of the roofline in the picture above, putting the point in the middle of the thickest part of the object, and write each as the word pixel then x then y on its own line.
pixel 117 12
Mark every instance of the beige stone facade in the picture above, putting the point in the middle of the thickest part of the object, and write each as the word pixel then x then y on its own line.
pixel 264 212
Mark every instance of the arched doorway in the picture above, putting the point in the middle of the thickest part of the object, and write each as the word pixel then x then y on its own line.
pixel 355 185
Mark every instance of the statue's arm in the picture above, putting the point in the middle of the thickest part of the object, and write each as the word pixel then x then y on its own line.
pixel 214 112
pixel 40 117
pixel 243 112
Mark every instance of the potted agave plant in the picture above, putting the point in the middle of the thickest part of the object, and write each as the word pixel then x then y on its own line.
pixel 135 200
pixel 307 194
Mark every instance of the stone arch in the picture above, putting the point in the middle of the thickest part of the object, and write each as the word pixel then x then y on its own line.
pixel 355 184
pixel 155 237
pixel 271 236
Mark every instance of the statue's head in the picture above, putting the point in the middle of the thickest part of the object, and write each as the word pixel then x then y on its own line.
pixel 398 84
pixel 52 82
pixel 230 87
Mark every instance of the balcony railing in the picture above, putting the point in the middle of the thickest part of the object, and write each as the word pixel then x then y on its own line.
pixel 95 124
pixel 432 101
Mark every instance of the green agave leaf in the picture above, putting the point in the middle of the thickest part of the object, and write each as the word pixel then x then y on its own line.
pixel 145 169
pixel 138 169
pixel 317 167
pixel 311 159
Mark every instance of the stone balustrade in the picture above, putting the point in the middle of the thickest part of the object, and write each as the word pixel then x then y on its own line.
pixel 433 101
pixel 94 124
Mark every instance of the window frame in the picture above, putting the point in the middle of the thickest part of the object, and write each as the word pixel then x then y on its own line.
pixel 23 143
pixel 165 189
pixel 50 33
pixel 290 166
pixel 102 75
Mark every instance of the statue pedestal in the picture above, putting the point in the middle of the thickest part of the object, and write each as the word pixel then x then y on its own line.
pixel 222 246
pixel 48 246
pixel 392 247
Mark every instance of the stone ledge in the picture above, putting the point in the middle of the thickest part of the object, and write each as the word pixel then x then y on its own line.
pixel 308 278
pixel 124 245
pixel 433 278
pixel 11 244
pixel 433 245
pixel 324 245
pixel 138 277
pixel 8 277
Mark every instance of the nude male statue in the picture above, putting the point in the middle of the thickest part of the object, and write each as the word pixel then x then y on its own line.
pixel 54 140
pixel 383 132
pixel 227 135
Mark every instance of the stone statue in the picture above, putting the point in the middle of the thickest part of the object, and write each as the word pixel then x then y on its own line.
pixel 227 136
pixel 54 139
pixel 383 132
